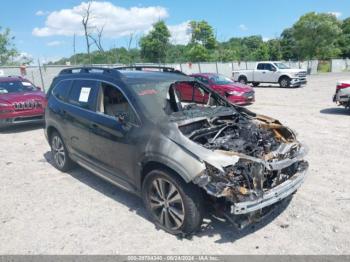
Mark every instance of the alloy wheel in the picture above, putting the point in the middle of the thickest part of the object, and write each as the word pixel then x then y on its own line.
pixel 166 203
pixel 284 83
pixel 58 151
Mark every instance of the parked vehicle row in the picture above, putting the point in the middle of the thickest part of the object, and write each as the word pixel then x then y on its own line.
pixel 184 148
pixel 271 72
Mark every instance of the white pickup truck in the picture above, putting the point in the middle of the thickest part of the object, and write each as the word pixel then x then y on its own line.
pixel 271 72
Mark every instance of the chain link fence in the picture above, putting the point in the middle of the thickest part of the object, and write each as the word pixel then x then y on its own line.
pixel 42 76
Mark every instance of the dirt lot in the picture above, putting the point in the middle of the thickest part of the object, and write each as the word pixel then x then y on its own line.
pixel 44 211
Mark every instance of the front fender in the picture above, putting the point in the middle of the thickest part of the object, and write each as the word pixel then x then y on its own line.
pixel 177 158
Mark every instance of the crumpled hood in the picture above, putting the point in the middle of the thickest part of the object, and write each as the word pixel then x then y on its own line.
pixel 221 155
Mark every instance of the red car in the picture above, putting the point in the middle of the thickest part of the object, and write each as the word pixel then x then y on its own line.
pixel 237 93
pixel 20 101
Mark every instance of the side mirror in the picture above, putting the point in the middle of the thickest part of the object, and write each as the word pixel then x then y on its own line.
pixel 121 117
pixel 39 88
pixel 273 69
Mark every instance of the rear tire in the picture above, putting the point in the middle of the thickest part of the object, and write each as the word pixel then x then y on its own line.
pixel 255 84
pixel 284 82
pixel 243 80
pixel 172 204
pixel 60 157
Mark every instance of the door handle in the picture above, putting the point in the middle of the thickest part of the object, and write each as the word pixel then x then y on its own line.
pixel 264 72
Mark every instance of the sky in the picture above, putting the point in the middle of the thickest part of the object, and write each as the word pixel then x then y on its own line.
pixel 45 29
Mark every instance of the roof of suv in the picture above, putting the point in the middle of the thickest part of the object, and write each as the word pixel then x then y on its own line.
pixel 125 74
pixel 152 75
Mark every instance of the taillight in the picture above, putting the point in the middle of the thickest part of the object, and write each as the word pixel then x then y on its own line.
pixel 342 85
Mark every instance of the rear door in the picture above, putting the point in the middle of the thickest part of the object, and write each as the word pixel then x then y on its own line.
pixel 260 74
pixel 78 113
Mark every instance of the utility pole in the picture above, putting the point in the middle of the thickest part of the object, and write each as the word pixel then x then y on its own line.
pixel 75 58
pixel 41 75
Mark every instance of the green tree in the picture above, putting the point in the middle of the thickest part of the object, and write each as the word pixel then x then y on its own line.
pixel 274 47
pixel 261 53
pixel 7 48
pixel 316 35
pixel 288 45
pixel 176 54
pixel 197 53
pixel 154 45
pixel 344 39
pixel 202 33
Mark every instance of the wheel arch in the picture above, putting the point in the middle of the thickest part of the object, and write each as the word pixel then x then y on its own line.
pixel 242 76
pixel 50 131
pixel 283 76
pixel 148 166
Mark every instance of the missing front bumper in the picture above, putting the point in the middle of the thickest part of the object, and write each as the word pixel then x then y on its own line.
pixel 270 197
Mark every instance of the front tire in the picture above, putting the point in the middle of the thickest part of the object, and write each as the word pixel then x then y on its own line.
pixel 61 159
pixel 173 205
pixel 284 82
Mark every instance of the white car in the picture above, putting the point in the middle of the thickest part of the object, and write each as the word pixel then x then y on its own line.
pixel 271 72
pixel 342 93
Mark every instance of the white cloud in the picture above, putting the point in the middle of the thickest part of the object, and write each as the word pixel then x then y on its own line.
pixel 336 14
pixel 54 43
pixel 265 39
pixel 117 21
pixel 180 34
pixel 23 57
pixel 41 13
pixel 243 27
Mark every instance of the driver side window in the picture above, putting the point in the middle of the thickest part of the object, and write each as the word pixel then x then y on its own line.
pixel 269 67
pixel 112 102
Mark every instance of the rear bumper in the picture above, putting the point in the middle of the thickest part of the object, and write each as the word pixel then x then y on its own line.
pixel 298 81
pixel 270 197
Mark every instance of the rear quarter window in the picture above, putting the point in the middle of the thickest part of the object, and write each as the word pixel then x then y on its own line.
pixel 60 91
pixel 82 94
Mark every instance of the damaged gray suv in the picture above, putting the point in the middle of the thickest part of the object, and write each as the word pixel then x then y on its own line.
pixel 185 149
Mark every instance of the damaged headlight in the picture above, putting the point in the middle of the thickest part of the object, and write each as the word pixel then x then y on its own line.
pixel 237 182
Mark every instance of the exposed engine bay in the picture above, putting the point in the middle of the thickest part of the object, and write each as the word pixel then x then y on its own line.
pixel 267 155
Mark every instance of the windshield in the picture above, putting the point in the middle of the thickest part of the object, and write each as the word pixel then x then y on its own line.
pixel 221 80
pixel 281 66
pixel 16 87
pixel 157 99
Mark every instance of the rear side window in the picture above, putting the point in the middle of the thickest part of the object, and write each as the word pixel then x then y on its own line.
pixel 60 91
pixel 82 94
pixel 261 66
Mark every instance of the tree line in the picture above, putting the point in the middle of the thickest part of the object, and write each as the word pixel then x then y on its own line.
pixel 313 36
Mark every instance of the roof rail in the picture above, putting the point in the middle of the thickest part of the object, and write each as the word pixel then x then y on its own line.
pixel 90 70
pixel 145 67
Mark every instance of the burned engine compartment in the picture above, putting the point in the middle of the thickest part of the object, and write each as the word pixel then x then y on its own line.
pixel 268 153
pixel 238 135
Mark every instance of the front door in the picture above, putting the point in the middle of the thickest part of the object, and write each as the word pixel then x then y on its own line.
pixel 114 133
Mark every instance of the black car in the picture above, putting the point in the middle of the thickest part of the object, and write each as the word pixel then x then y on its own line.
pixel 183 154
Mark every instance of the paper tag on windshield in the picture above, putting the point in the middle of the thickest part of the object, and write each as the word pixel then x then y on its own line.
pixel 84 94
pixel 26 84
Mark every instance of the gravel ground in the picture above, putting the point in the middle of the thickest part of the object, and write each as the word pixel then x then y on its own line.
pixel 44 211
